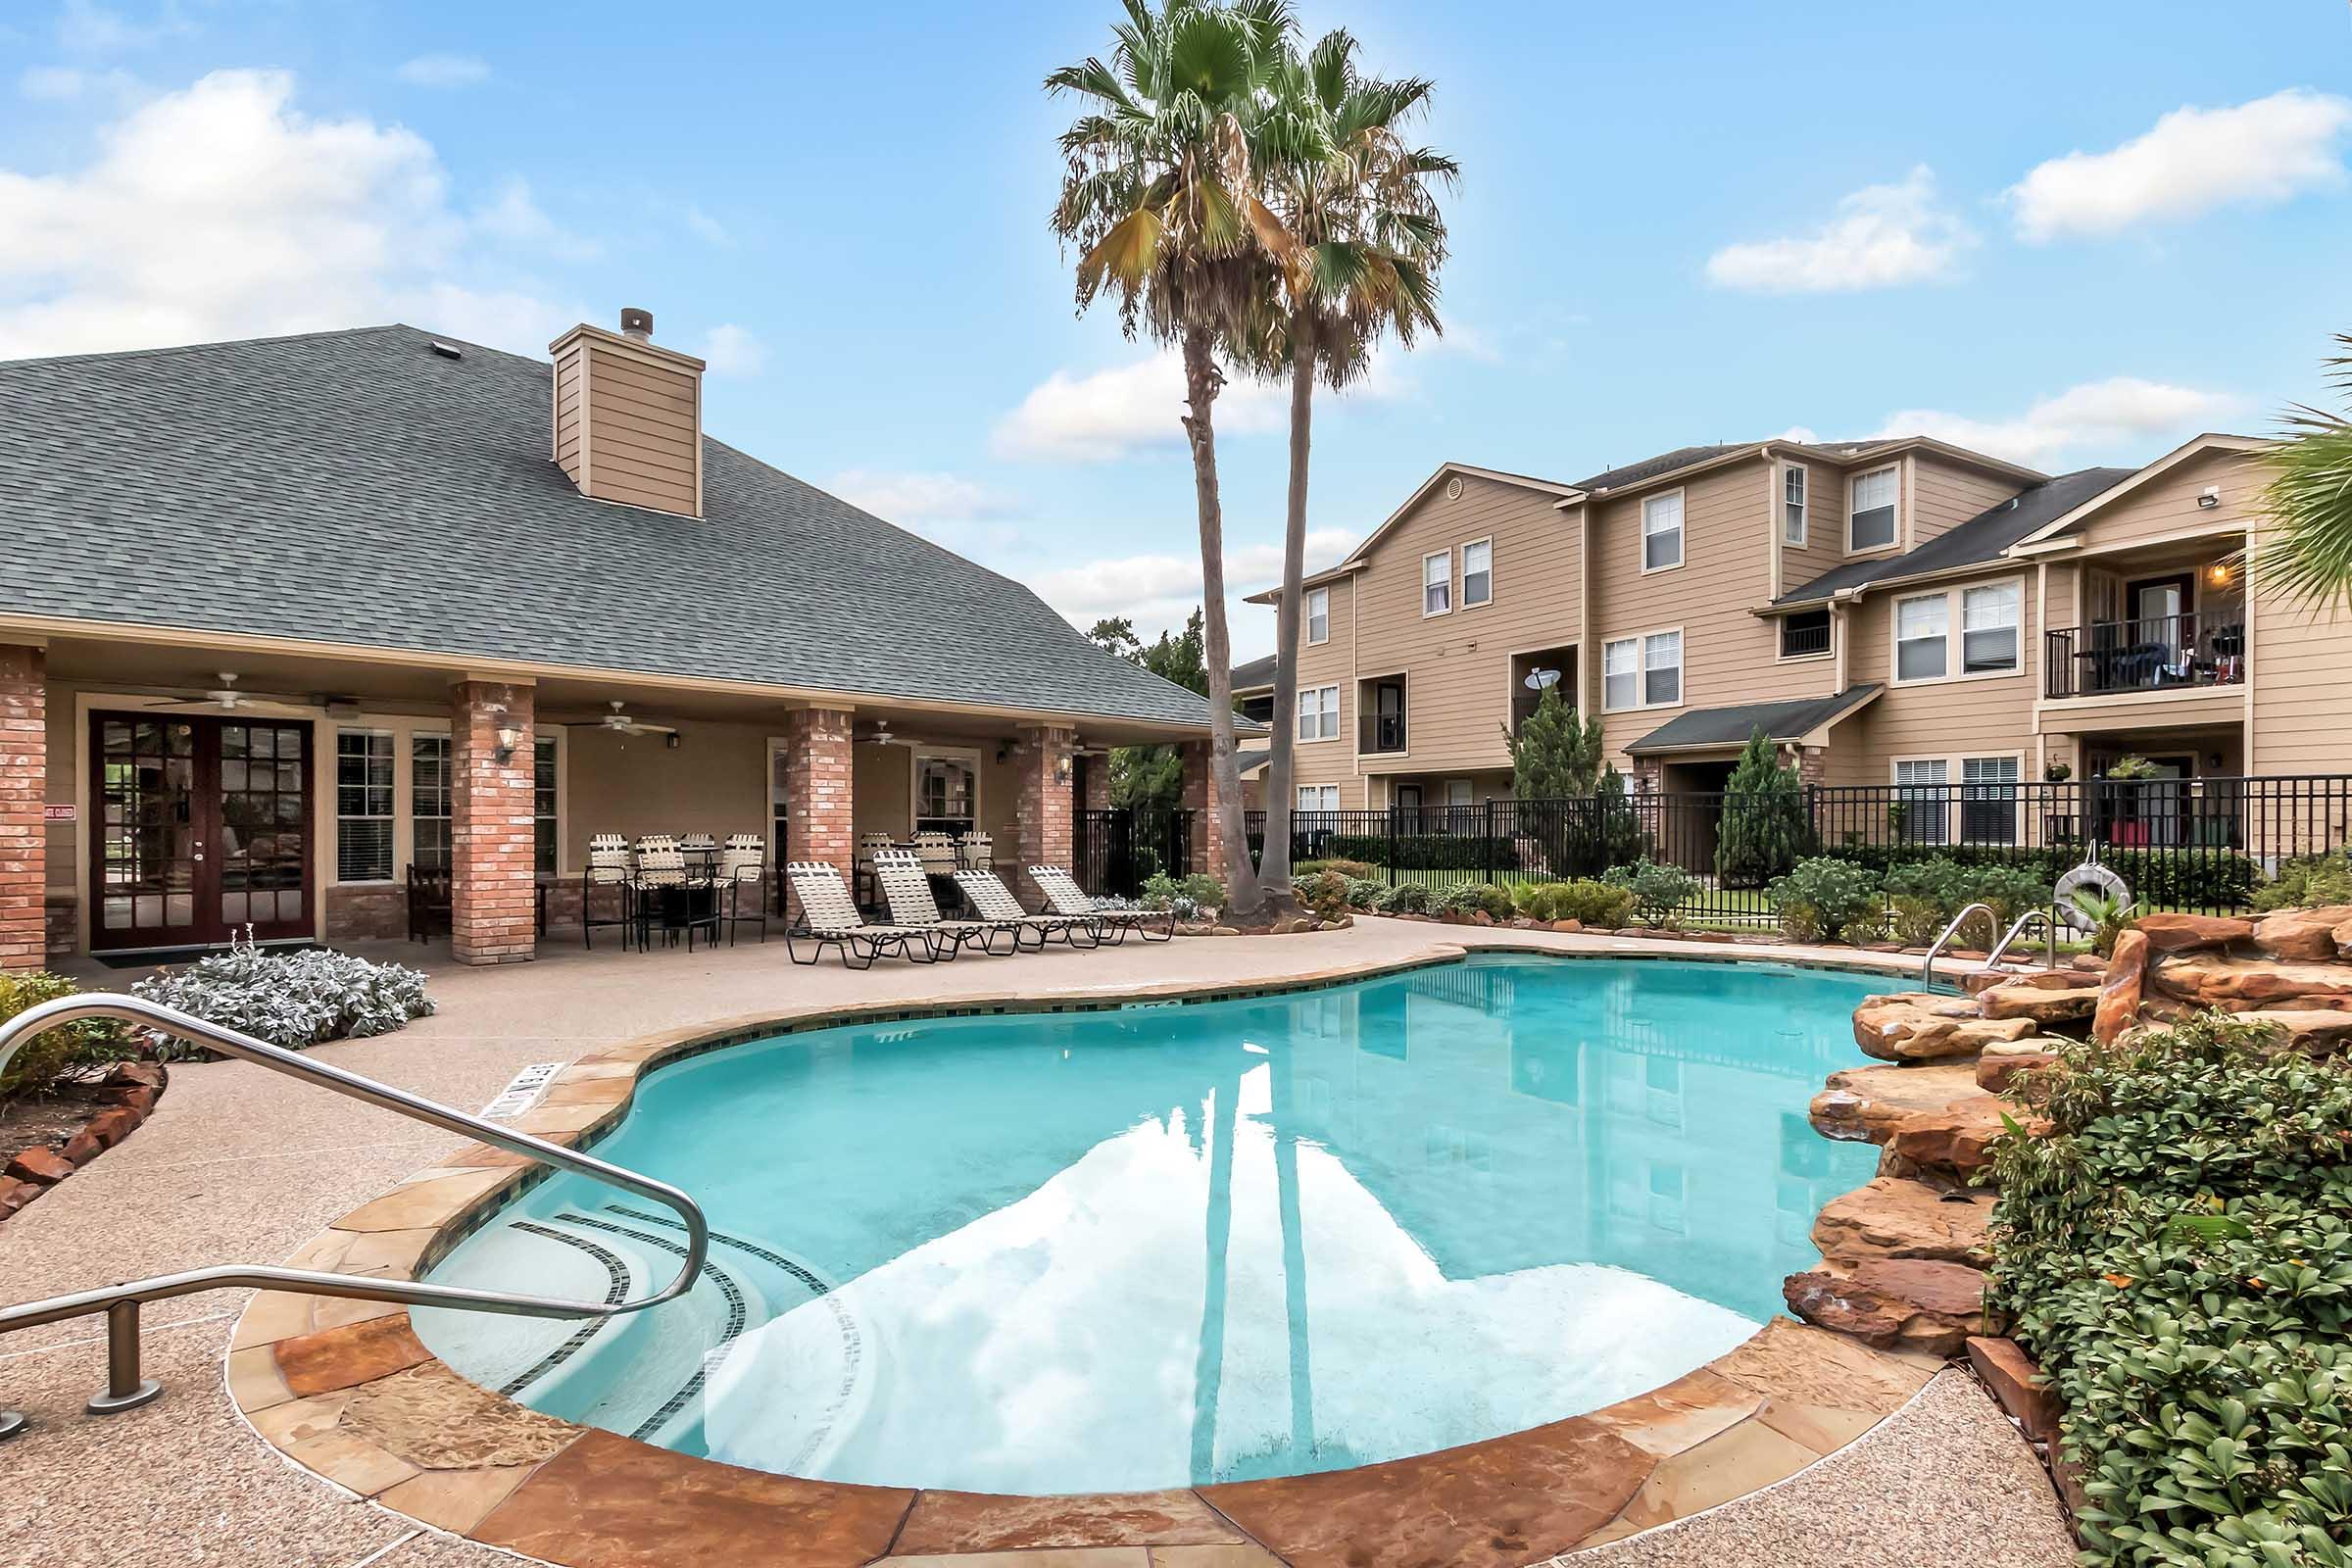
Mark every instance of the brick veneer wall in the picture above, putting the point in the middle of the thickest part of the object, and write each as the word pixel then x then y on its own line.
pixel 1046 816
pixel 491 830
pixel 23 791
pixel 363 913
pixel 1094 782
pixel 817 795
pixel 1208 828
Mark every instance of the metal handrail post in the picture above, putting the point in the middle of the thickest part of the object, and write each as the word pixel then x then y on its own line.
pixel 1927 965
pixel 126 1389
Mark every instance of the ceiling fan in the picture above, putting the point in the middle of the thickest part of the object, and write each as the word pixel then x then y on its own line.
pixel 879 736
pixel 622 724
pixel 224 695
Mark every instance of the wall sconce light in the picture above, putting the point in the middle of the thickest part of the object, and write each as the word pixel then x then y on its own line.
pixel 507 737
pixel 2218 573
pixel 671 740
pixel 2210 497
pixel 1062 772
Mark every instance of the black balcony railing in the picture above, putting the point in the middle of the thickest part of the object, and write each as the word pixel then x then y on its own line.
pixel 2153 653
pixel 1381 732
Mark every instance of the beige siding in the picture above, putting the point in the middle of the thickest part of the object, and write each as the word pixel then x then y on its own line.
pixel 1332 662
pixel 1823 547
pixel 641 430
pixel 2225 705
pixel 1980 717
pixel 1946 494
pixel 2301 660
pixel 2166 507
pixel 569 393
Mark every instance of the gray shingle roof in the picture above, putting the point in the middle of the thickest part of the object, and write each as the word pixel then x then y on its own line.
pixel 1732 726
pixel 1980 539
pixel 1663 462
pixel 1254 673
pixel 355 487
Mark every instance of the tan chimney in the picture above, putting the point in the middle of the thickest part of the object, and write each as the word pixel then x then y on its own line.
pixel 629 417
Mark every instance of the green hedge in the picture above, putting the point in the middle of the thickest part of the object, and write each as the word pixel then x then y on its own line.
pixel 2197 878
pixel 1425 852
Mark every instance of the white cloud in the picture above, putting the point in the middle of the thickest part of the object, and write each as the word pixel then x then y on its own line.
pixel 1158 591
pixel 1112 413
pixel 708 228
pixel 1881 236
pixel 444 70
pixel 515 216
pixel 59 84
pixel 908 496
pixel 731 350
pixel 2122 417
pixel 2195 160
pixel 92 29
pixel 220 211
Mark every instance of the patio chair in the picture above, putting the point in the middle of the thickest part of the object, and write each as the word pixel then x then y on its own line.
pixel 685 901
pixel 742 864
pixel 868 891
pixel 431 905
pixel 937 851
pixel 908 891
pixel 1063 895
pixel 607 868
pixel 992 899
pixel 829 919
pixel 976 851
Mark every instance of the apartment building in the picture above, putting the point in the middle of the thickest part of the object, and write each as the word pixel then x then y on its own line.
pixel 1894 612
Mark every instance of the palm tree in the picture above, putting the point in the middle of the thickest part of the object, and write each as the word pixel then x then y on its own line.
pixel 1158 173
pixel 2308 552
pixel 1348 213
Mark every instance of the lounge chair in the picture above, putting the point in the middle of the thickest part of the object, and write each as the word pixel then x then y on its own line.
pixel 829 919
pixel 1063 895
pixel 907 889
pixel 992 899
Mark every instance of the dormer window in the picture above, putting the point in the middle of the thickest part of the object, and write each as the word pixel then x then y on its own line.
pixel 1870 518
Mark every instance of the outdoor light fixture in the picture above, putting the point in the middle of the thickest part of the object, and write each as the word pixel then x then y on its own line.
pixel 508 736
pixel 2219 571
pixel 2210 497
pixel 1062 772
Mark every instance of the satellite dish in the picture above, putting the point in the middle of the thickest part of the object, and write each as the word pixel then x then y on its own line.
pixel 1539 679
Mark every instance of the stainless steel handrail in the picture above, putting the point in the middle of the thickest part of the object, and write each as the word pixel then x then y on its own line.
pixel 1927 965
pixel 1993 961
pixel 120 1303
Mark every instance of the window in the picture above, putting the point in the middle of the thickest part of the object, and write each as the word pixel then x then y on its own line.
pixel 1989 800
pixel 1318 797
pixel 1319 713
pixel 1457 792
pixel 1793 504
pixel 1919 799
pixel 1988 628
pixel 1318 616
pixel 1618 686
pixel 1662 531
pixel 543 804
pixel 428 793
pixel 1920 627
pixel 1870 519
pixel 947 791
pixel 1661 669
pixel 1437 583
pixel 1805 634
pixel 362 806
pixel 1478 573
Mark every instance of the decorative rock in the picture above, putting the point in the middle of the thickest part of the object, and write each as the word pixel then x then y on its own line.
pixel 136 1075
pixel 2183 933
pixel 2042 1003
pixel 1999 1066
pixel 1958 1139
pixel 1894 1218
pixel 2210 980
pixel 1923 1026
pixel 2016 1381
pixel 15 1194
pixel 2325 1032
pixel 2088 963
pixel 82 1148
pixel 1905 1304
pixel 1224 930
pixel 1985 980
pixel 2119 999
pixel 1569 926
pixel 43 1165
pixel 140 1098
pixel 2302 935
pixel 1865 1104
pixel 113 1125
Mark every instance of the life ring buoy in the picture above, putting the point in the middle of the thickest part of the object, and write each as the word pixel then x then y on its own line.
pixel 2089 874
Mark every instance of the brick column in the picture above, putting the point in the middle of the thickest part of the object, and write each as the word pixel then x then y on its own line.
pixel 1812 765
pixel 1094 783
pixel 1208 829
pixel 23 791
pixel 1044 823
pixel 817 812
pixel 490 824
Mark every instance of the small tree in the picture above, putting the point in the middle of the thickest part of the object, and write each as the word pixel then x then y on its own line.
pixel 1622 840
pixel 1762 830
pixel 1556 752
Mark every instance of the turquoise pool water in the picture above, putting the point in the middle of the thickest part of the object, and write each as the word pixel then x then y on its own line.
pixel 1169 1244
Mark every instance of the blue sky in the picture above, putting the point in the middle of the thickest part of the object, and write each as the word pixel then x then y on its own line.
pixel 2074 233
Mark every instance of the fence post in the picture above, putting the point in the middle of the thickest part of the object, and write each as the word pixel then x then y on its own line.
pixel 1487 848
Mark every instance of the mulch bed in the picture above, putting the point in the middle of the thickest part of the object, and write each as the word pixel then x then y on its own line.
pixel 47 1138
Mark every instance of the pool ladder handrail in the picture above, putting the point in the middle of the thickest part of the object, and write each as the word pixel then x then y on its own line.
pixel 1927 965
pixel 1992 960
pixel 126 1388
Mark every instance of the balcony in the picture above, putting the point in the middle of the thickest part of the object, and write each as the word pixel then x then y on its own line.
pixel 2150 654
pixel 1380 732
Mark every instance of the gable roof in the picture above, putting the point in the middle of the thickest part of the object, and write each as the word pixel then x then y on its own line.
pixel 1254 675
pixel 2134 478
pixel 1709 728
pixel 1980 540
pixel 1664 462
pixel 358 488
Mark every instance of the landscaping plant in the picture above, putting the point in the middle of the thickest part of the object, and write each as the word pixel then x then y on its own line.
pixel 1406 898
pixel 2108 913
pixel 1469 898
pixel 1556 752
pixel 1826 897
pixel 1762 830
pixel 1657 890
pixel 2175 1251
pixel 58 1055
pixel 2308 882
pixel 1324 894
pixel 1365 893
pixel 290 1000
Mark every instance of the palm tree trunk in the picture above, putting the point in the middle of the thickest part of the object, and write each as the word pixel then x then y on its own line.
pixel 1274 865
pixel 1202 380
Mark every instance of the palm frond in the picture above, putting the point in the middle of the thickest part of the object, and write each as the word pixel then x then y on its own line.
pixel 2305 547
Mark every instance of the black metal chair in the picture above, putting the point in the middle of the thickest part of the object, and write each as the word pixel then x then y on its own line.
pixel 608 868
pixel 432 903
pixel 741 871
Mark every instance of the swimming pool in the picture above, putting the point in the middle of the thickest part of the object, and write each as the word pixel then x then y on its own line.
pixel 1170 1244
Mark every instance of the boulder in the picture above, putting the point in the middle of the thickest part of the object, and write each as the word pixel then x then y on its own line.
pixel 2000 1065
pixel 1985 980
pixel 113 1125
pixel 43 1165
pixel 2242 985
pixel 2303 936
pixel 1909 1303
pixel 2042 1003
pixel 2323 1032
pixel 1888 1217
pixel 140 1098
pixel 136 1075
pixel 2182 933
pixel 1864 1105
pixel 1569 926
pixel 82 1148
pixel 2119 999
pixel 2016 1381
pixel 1957 1140
pixel 15 1194
pixel 1923 1026
pixel 2088 963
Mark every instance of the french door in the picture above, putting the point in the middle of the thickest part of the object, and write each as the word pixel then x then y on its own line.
pixel 202 828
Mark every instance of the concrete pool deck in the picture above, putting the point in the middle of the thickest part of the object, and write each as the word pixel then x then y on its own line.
pixel 240 1164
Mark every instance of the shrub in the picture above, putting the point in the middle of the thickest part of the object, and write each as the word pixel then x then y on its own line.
pixel 1406 898
pixel 1590 902
pixel 1556 753
pixel 1828 896
pixel 1163 891
pixel 2177 1252
pixel 55 1055
pixel 2009 890
pixel 1426 852
pixel 1324 894
pixel 1203 889
pixel 290 1000
pixel 1467 898
pixel 2307 882
pixel 1534 900
pixel 1345 868
pixel 1365 893
pixel 1656 889
pixel 1762 828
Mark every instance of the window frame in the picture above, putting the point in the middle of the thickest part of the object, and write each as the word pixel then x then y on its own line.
pixel 1681 531
pixel 1302 791
pixel 1298 720
pixel 1896 639
pixel 1313 596
pixel 1640 642
pixel 1802 513
pixel 1488 545
pixel 2016 627
pixel 1955 632
pixel 1895 508
pixel 447 788
pixel 2016 801
pixel 1942 787
pixel 1781 641
pixel 1447 556
pixel 389 816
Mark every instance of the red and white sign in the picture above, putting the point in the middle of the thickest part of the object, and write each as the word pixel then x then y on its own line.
pixel 58 813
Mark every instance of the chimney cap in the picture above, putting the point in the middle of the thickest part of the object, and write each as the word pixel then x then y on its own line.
pixel 636 324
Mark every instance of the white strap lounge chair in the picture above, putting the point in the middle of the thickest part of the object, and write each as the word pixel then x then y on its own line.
pixel 829 919
pixel 742 868
pixel 991 900
pixel 907 889
pixel 1063 895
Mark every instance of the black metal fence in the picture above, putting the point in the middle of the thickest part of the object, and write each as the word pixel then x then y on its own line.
pixel 1118 851
pixel 2193 844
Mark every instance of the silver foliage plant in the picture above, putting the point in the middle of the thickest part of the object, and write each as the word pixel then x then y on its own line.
pixel 290 1000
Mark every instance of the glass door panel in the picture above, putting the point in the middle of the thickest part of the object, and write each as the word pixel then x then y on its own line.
pixel 147 830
